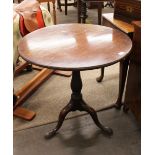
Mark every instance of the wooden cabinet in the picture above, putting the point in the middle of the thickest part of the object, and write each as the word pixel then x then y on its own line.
pixel 109 20
pixel 127 10
pixel 133 87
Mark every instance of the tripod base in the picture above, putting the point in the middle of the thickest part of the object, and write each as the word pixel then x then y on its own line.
pixel 77 103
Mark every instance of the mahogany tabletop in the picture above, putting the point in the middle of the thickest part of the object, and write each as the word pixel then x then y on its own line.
pixel 75 46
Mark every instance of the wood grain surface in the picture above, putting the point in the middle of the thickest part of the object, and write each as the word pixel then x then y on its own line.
pixel 75 46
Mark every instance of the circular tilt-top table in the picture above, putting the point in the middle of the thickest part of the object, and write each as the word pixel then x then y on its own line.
pixel 75 47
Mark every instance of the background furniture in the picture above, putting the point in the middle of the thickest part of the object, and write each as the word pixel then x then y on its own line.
pixel 66 4
pixel 109 3
pixel 82 9
pixel 127 10
pixel 121 19
pixel 75 52
pixel 93 5
pixel 109 20
pixel 133 86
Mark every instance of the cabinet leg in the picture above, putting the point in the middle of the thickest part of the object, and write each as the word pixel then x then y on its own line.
pixel 122 79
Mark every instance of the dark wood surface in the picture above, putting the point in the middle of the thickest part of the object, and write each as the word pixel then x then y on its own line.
pixel 109 20
pixel 133 87
pixel 127 10
pixel 75 46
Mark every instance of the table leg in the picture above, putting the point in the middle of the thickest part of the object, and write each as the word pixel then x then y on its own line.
pixel 100 78
pixel 59 5
pixel 65 7
pixel 83 14
pixel 122 78
pixel 77 103
pixel 100 4
pixel 79 10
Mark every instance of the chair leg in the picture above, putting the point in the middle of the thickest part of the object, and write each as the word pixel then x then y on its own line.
pixel 59 5
pixel 99 12
pixel 14 99
pixel 22 66
pixel 54 14
pixel 79 10
pixel 65 7
pixel 83 12
pixel 48 6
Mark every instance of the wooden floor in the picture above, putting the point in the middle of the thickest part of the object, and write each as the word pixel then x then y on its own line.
pixel 79 136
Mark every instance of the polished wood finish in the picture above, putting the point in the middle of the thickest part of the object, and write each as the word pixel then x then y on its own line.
pixel 77 103
pixel 72 46
pixel 20 67
pixel 24 113
pixel 109 20
pixel 133 87
pixel 75 47
pixel 127 10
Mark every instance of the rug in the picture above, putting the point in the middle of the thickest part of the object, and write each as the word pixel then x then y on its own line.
pixel 55 93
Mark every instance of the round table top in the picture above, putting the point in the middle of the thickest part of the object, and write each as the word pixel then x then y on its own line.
pixel 75 46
